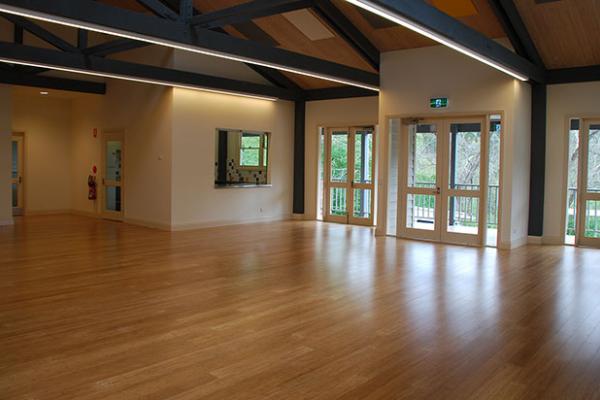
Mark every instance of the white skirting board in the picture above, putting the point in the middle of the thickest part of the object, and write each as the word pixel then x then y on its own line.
pixel 217 223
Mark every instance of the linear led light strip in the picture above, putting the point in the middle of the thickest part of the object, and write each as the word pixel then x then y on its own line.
pixel 149 39
pixel 134 79
pixel 375 9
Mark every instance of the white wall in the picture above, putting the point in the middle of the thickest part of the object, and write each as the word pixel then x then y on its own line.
pixel 330 113
pixel 564 101
pixel 195 201
pixel 410 77
pixel 5 156
pixel 46 124
pixel 143 112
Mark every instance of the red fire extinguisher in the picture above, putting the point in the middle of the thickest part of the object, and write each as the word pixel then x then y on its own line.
pixel 91 187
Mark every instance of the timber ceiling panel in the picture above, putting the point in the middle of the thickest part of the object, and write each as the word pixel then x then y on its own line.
pixel 389 37
pixel 566 32
pixel 127 4
pixel 291 38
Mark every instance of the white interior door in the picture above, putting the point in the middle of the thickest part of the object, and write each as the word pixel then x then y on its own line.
pixel 16 174
pixel 441 179
pixel 588 215
pixel 112 175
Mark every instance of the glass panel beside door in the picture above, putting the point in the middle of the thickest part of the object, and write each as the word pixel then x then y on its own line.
pixel 112 179
pixel 16 174
pixel 588 204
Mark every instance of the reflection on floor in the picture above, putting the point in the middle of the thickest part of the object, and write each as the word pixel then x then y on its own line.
pixel 91 309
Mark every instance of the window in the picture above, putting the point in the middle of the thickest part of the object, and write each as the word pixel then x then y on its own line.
pixel 253 150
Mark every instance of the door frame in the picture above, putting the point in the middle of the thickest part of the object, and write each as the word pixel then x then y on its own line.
pixel 582 193
pixel 349 185
pixel 404 190
pixel 20 209
pixel 461 238
pixel 360 185
pixel 107 214
pixel 440 234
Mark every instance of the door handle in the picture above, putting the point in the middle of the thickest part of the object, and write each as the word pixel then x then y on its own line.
pixel 437 191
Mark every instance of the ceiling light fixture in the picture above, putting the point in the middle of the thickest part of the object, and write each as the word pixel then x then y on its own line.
pixel 405 22
pixel 44 93
pixel 133 79
pixel 167 43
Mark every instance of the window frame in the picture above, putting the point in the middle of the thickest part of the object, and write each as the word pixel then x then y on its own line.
pixel 262 163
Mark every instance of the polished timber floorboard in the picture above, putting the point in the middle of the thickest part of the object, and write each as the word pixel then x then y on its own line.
pixel 92 309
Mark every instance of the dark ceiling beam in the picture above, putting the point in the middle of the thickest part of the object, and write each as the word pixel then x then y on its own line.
pixel 116 19
pixel 41 33
pixel 341 92
pixel 275 77
pixel 82 39
pixel 444 25
pixel 272 75
pixel 93 64
pixel 247 11
pixel 114 46
pixel 18 34
pixel 346 29
pixel 186 10
pixel 515 29
pixel 16 77
pixel 574 75
pixel 159 9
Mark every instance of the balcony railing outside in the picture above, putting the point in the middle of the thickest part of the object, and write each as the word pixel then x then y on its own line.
pixel 423 209
pixel 465 209
pixel 592 215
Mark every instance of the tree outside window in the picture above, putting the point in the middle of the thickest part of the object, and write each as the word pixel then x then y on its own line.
pixel 250 150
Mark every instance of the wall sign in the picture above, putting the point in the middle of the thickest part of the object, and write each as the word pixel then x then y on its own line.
pixel 438 102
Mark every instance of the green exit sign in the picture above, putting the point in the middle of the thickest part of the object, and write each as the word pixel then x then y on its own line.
pixel 438 102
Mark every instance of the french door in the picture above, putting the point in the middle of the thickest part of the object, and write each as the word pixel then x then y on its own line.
pixel 349 172
pixel 588 202
pixel 441 179
pixel 17 174
pixel 111 193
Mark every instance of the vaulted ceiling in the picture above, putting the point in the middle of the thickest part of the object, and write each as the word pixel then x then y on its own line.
pixel 564 32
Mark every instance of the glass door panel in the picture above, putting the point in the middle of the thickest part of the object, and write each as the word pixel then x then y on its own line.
pixel 421 188
pixel 462 195
pixel 337 168
pixel 339 156
pixel 589 202
pixel 362 182
pixel 112 179
pixel 349 169
pixel 16 174
pixel 422 156
pixel 363 156
pixel 441 180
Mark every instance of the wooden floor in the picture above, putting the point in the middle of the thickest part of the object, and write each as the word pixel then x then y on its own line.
pixel 92 309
